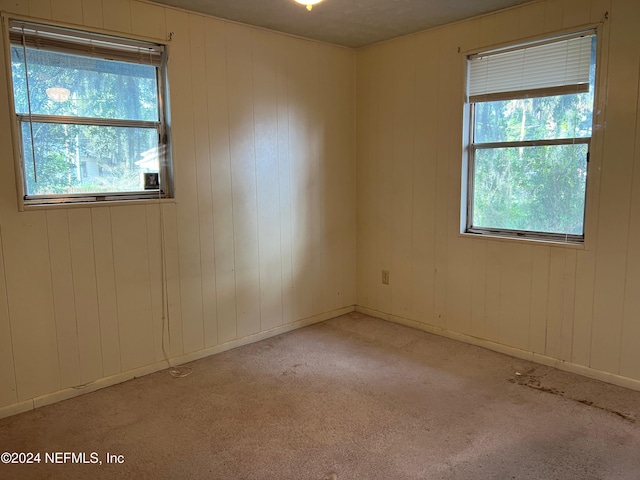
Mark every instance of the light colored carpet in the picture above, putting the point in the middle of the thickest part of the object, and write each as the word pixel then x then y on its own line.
pixel 350 398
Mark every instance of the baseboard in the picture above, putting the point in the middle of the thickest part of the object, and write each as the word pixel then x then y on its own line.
pixel 614 379
pixel 31 404
pixel 68 393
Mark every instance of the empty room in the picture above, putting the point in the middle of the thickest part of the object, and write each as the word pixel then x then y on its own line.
pixel 320 239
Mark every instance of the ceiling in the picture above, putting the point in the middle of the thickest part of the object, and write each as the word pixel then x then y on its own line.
pixel 352 23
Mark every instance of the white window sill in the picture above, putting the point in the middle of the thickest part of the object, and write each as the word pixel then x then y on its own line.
pixel 525 240
pixel 106 203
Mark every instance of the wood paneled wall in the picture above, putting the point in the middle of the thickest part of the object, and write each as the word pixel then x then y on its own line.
pixel 262 232
pixel 576 305
pixel 263 229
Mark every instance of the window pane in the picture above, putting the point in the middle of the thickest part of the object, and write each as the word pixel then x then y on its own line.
pixel 77 159
pixel 542 118
pixel 538 189
pixel 87 87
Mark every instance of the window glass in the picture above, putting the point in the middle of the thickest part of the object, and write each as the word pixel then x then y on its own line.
pixel 539 189
pixel 538 118
pixel 96 88
pixel 529 149
pixel 89 114
pixel 74 159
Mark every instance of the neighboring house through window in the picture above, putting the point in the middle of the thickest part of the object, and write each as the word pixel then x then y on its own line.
pixel 90 115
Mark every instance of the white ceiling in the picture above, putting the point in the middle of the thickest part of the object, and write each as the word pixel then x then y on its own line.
pixel 352 23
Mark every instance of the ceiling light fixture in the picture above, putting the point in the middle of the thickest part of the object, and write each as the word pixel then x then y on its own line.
pixel 58 94
pixel 308 3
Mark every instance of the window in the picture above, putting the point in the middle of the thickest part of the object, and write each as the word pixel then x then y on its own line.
pixel 530 111
pixel 89 115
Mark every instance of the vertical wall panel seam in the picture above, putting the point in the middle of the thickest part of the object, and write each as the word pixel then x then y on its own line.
pixel 195 162
pixel 319 115
pixel 377 187
pixel 73 286
pixel 55 320
pixel 95 273
pixel 113 260
pixel 6 295
pixel 289 158
pixel 278 72
pixel 177 237
pixel 531 299
pixel 129 4
pixel 546 320
pixel 500 333
pixel 485 314
pixel 572 301
pixel 373 164
pixel 391 180
pixel 255 169
pixel 354 153
pixel 559 343
pixel 233 216
pixel 435 216
pixel 146 229
pixel 210 160
pixel 95 279
pixel 413 169
pixel 484 289
pixel 311 117
pixel 446 320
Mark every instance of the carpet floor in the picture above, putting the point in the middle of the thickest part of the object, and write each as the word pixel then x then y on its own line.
pixel 350 398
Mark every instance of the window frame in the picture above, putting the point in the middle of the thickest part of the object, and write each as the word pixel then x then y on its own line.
pixel 471 147
pixel 162 126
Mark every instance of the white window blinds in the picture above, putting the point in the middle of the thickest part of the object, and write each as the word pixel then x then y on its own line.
pixel 555 67
pixel 64 40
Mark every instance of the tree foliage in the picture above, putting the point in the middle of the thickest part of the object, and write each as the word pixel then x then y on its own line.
pixel 532 188
pixel 63 158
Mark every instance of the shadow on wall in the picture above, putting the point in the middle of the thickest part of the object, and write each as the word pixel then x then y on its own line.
pixel 292 176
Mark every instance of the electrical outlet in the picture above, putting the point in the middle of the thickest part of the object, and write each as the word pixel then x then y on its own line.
pixel 385 277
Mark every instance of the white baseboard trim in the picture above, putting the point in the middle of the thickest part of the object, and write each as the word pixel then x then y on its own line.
pixel 47 399
pixel 101 383
pixel 614 379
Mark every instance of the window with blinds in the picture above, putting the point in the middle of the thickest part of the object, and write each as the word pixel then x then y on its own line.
pixel 90 114
pixel 531 111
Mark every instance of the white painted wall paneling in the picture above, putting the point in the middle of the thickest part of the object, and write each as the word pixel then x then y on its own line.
pixel 262 232
pixel 569 304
